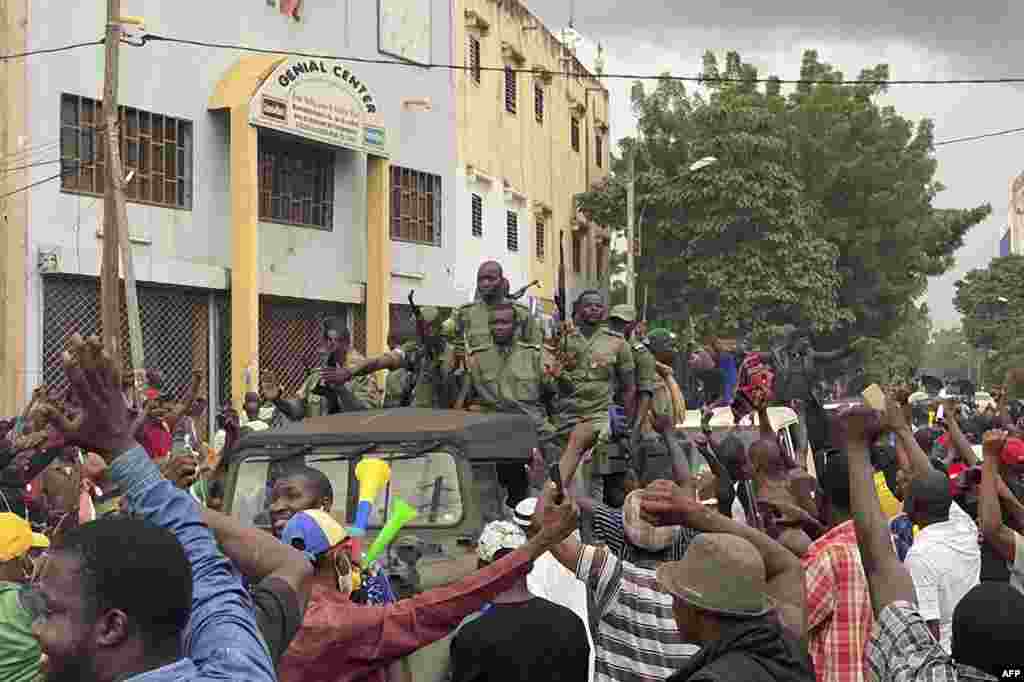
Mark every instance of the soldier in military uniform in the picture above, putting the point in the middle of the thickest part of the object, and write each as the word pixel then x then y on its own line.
pixel 473 320
pixel 509 376
pixel 622 319
pixel 398 383
pixel 430 364
pixel 324 391
pixel 599 356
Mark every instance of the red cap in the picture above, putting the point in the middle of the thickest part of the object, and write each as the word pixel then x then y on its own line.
pixel 1013 452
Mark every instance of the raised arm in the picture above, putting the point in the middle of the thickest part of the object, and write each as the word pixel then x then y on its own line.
pixel 888 579
pixel 222 637
pixel 895 421
pixel 990 513
pixel 668 504
pixel 958 440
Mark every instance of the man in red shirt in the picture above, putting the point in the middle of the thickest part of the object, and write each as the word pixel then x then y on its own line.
pixel 839 616
pixel 340 640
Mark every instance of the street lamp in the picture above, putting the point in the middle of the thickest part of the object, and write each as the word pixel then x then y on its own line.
pixel 634 227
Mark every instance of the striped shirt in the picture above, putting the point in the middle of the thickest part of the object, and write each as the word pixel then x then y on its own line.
pixel 631 621
pixel 610 529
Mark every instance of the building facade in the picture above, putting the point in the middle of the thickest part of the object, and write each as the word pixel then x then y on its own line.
pixel 1012 241
pixel 532 128
pixel 264 191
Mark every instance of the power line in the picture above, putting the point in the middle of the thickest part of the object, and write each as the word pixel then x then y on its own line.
pixel 628 76
pixel 983 136
pixel 49 50
pixel 30 186
pixel 30 165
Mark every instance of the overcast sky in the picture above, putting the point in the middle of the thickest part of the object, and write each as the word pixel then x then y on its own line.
pixel 933 39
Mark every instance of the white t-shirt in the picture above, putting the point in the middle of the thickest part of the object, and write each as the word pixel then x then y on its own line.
pixel 945 564
pixel 1017 565
pixel 552 581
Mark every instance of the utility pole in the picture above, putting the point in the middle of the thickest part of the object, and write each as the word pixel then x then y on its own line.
pixel 630 219
pixel 115 214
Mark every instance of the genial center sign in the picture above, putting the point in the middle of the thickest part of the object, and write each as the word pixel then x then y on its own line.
pixel 322 100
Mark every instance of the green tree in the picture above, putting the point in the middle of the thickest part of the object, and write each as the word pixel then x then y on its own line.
pixel 900 356
pixel 991 300
pixel 948 353
pixel 819 210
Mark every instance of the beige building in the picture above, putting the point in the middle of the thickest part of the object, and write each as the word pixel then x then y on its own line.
pixel 532 131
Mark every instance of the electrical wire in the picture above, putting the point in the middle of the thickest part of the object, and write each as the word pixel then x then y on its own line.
pixel 629 76
pixel 30 186
pixel 30 165
pixel 983 136
pixel 50 50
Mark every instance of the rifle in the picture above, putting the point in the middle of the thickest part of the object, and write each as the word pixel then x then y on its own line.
pixel 560 299
pixel 520 292
pixel 417 315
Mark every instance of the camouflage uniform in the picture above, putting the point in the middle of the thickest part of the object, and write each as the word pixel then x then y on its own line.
pixel 512 380
pixel 364 389
pixel 473 326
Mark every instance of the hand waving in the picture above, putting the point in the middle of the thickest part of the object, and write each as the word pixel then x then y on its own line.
pixel 104 423
pixel 859 426
pixel 992 444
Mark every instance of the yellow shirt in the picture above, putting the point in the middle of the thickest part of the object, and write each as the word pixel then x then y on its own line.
pixel 891 507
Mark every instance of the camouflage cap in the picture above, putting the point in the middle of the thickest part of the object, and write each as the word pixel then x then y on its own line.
pixel 623 312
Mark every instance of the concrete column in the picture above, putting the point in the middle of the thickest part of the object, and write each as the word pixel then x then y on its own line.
pixel 378 254
pixel 245 273
pixel 14 209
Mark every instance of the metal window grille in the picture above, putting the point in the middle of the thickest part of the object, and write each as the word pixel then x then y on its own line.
pixel 512 225
pixel 415 206
pixel 474 58
pixel 291 333
pixel 577 253
pixel 541 237
pixel 478 215
pixel 296 183
pixel 538 102
pixel 599 150
pixel 175 330
pixel 155 149
pixel 574 133
pixel 510 90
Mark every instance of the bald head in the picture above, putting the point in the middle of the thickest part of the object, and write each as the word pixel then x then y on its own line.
pixel 928 498
pixel 490 281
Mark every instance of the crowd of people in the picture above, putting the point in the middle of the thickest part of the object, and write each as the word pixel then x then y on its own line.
pixel 881 548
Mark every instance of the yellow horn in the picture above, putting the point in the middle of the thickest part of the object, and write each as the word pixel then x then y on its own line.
pixel 372 474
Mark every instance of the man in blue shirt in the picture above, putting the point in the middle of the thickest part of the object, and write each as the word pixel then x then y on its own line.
pixel 149 597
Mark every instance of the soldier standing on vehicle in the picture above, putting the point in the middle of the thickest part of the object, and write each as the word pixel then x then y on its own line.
pixel 598 356
pixel 324 391
pixel 425 359
pixel 473 320
pixel 509 376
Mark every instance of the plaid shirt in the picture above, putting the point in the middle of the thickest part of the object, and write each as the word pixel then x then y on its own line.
pixel 839 615
pixel 902 649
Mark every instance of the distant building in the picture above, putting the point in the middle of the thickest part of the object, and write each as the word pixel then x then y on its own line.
pixel 1015 219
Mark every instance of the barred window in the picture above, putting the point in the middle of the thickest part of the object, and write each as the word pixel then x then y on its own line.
pixel 510 90
pixel 577 253
pixel 512 237
pixel 415 206
pixel 474 58
pixel 538 102
pixel 157 148
pixel 541 237
pixel 599 149
pixel 296 183
pixel 478 216
pixel 574 134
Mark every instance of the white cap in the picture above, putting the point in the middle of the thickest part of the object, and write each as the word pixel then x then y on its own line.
pixel 524 512
pixel 499 535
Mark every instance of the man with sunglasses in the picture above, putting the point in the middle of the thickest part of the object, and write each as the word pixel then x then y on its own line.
pixel 19 650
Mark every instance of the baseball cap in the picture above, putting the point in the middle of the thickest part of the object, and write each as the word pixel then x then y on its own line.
pixel 661 340
pixel 1013 452
pixel 17 538
pixel 314 531
pixel 720 573
pixel 524 512
pixel 623 312
pixel 499 535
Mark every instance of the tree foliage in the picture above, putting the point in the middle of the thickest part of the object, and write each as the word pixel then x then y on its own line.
pixel 819 209
pixel 989 325
pixel 904 353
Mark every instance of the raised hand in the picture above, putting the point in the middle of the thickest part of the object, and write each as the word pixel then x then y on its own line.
pixel 859 426
pixel 663 503
pixel 103 424
pixel 993 442
pixel 180 470
pixel 557 521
